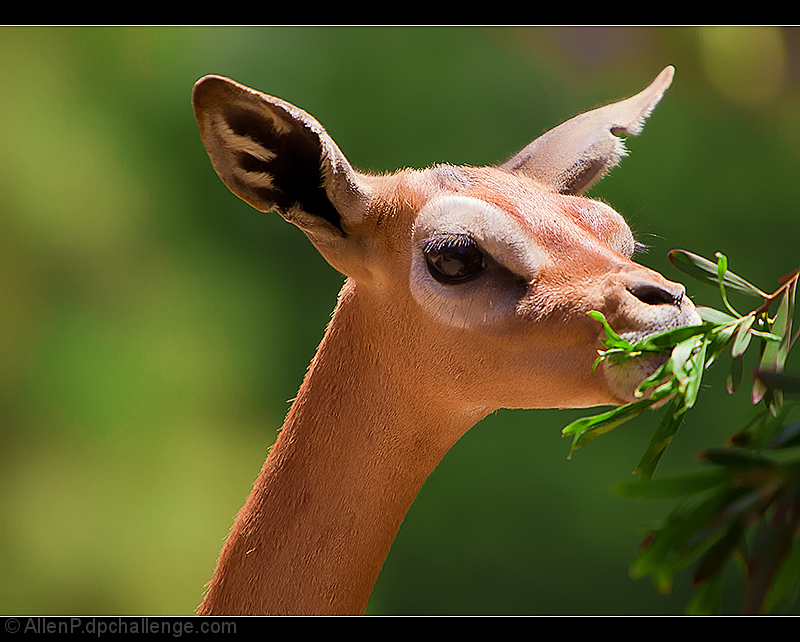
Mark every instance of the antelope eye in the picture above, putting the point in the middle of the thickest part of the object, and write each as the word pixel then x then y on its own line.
pixel 454 260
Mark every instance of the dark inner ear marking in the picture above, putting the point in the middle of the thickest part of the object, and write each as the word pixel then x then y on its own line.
pixel 580 175
pixel 295 170
pixel 250 163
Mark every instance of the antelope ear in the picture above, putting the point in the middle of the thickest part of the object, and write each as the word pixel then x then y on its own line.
pixel 275 156
pixel 576 154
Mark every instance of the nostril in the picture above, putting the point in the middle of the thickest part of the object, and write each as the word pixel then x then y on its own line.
pixel 653 294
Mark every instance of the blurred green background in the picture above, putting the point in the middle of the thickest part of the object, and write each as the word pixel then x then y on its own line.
pixel 153 327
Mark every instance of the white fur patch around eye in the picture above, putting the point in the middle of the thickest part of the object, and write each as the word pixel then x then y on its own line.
pixel 498 233
pixel 513 258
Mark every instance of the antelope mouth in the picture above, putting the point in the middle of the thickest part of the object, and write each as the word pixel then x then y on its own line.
pixel 624 379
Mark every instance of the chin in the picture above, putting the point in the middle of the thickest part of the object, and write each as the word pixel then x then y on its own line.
pixel 623 380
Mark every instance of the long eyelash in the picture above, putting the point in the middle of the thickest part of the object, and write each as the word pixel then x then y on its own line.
pixel 442 241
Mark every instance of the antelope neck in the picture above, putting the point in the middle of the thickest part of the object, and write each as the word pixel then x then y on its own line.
pixel 357 445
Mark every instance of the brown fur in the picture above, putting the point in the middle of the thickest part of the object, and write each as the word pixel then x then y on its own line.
pixel 407 365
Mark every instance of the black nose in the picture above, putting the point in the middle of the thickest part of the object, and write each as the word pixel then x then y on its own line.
pixel 653 294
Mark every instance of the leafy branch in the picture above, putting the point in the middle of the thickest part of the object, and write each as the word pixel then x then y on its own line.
pixel 744 504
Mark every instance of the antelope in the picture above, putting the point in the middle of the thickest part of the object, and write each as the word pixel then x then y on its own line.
pixel 466 290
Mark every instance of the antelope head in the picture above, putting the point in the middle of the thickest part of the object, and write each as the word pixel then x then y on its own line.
pixel 476 280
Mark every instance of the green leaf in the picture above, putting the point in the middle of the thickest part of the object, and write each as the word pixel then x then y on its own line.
pixel 707 600
pixel 663 378
pixel 787 306
pixel 718 339
pixel 696 368
pixel 734 375
pixel 586 429
pixel 766 431
pixel 722 268
pixel 785 583
pixel 734 458
pixel 743 336
pixel 668 339
pixel 675 544
pixel 661 439
pixel 767 336
pixel 704 270
pixel 674 486
pixel 790 384
pixel 710 315
pixel 771 547
pixel 722 265
pixel 773 357
pixel 715 558
pixel 612 340
pixel 758 391
pixel 740 490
